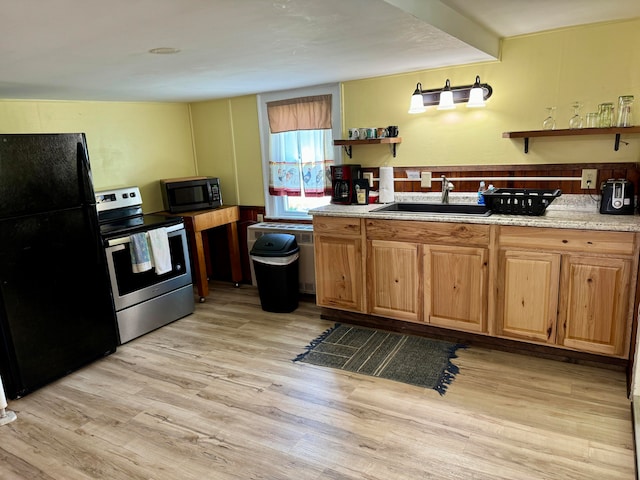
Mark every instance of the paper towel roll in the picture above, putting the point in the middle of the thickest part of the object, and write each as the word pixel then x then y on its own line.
pixel 386 185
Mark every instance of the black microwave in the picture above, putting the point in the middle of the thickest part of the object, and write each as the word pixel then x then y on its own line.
pixel 190 193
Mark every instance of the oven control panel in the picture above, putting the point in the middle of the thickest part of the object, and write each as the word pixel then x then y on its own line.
pixel 118 198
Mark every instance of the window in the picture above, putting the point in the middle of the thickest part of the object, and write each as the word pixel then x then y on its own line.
pixel 297 129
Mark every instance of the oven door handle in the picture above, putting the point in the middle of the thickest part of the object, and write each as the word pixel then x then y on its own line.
pixel 116 248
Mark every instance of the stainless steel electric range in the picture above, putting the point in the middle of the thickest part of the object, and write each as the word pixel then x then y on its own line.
pixel 144 301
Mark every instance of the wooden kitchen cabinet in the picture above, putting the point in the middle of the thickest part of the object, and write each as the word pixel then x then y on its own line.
pixel 569 288
pixel 594 304
pixel 338 260
pixel 455 292
pixel 527 304
pixel 429 272
pixel 395 279
pixel 566 288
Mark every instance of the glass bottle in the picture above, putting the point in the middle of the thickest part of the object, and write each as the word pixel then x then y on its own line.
pixel 605 115
pixel 481 190
pixel 624 111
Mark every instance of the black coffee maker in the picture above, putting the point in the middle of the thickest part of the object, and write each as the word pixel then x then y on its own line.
pixel 343 181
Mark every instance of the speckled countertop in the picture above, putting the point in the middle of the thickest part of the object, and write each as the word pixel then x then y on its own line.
pixel 567 211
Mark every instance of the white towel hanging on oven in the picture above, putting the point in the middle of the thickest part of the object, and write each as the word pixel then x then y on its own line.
pixel 140 258
pixel 161 255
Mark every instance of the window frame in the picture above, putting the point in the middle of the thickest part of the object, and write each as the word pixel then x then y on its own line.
pixel 274 205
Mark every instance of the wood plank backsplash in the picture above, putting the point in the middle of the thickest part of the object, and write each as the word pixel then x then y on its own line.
pixel 629 171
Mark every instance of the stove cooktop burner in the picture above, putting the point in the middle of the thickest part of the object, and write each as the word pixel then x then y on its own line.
pixel 131 225
pixel 120 213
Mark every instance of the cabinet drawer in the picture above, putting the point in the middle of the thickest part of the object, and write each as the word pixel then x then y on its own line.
pixel 341 225
pixel 566 240
pixel 429 232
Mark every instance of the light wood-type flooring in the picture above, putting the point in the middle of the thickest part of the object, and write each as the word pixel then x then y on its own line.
pixel 216 396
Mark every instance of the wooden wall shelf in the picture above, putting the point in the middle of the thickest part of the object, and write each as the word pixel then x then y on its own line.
pixel 617 131
pixel 347 144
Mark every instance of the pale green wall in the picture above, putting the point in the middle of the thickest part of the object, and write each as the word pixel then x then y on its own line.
pixel 593 64
pixel 129 143
pixel 227 144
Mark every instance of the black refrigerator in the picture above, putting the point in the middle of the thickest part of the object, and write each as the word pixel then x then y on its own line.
pixel 56 309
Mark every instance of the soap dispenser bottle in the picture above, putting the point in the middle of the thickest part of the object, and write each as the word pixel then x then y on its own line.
pixel 480 192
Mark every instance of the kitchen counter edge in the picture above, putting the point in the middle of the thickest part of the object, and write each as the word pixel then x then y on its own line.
pixel 552 218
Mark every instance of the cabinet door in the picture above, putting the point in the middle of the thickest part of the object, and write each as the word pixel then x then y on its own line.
pixel 594 305
pixel 455 290
pixel 394 279
pixel 339 275
pixel 527 301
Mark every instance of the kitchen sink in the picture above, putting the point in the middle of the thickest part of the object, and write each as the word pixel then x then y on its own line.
pixel 435 208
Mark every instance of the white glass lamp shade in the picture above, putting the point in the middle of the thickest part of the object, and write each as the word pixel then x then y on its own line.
pixel 446 97
pixel 476 95
pixel 417 103
pixel 476 98
pixel 446 101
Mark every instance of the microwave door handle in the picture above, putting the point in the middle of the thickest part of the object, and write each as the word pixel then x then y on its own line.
pixel 210 192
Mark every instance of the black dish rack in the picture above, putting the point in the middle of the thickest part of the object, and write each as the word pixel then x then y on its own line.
pixel 520 201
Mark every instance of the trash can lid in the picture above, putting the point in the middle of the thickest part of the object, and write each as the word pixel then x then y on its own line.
pixel 275 245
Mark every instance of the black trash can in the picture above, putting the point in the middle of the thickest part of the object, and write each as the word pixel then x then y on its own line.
pixel 275 261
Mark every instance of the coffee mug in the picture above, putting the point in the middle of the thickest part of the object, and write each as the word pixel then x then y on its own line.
pixel 392 130
pixel 362 133
pixel 382 132
pixel 354 134
pixel 371 133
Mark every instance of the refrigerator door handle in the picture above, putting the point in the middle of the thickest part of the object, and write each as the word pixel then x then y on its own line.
pixel 85 184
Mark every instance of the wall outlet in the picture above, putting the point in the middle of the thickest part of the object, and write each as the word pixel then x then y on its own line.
pixel 589 178
pixel 368 176
pixel 425 179
pixel 260 217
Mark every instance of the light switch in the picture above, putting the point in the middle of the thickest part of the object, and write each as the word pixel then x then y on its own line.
pixel 425 179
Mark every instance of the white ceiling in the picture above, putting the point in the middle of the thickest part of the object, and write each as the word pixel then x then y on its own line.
pixel 98 50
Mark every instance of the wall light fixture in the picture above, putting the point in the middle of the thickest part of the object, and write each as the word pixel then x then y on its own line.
pixel 445 98
pixel 417 102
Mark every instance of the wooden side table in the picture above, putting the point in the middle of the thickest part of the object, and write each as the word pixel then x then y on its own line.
pixel 196 224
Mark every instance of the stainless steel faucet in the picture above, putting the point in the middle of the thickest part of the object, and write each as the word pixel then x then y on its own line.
pixel 446 186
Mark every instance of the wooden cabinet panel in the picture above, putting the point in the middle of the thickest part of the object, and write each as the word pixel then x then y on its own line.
pixel 394 279
pixel 567 240
pixel 594 310
pixel 468 235
pixel 455 291
pixel 527 301
pixel 339 274
pixel 337 225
